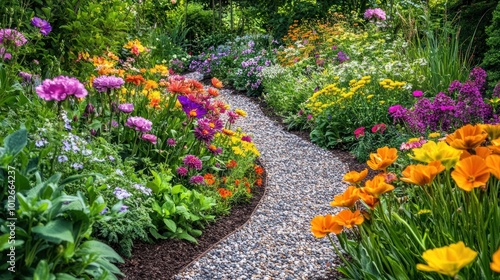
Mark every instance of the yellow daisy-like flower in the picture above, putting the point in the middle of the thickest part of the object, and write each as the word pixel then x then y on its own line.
pixel 432 151
pixel 447 260
pixel 240 112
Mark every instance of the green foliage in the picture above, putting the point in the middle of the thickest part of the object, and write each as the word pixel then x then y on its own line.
pixel 177 211
pixel 50 236
pixel 492 57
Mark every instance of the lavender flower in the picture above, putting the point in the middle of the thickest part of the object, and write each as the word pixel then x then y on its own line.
pixel 26 76
pixel 111 158
pixel 77 166
pixel 149 137
pixel 197 180
pixel 7 35
pixel 62 158
pixel 43 25
pixel 375 14
pixel 104 83
pixel 60 88
pixel 143 189
pixel 192 161
pixel 40 143
pixel 123 209
pixel 4 54
pixel 121 193
pixel 119 172
pixel 104 211
pixel 342 57
pixel 126 107
pixel 139 124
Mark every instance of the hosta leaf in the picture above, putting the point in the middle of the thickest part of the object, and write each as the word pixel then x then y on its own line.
pixel 56 231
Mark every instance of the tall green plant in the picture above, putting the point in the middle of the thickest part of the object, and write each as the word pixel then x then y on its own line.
pixel 492 57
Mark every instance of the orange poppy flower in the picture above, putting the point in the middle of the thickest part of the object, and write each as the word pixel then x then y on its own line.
pixel 370 200
pixel 384 157
pixel 217 83
pixel 495 264
pixel 213 92
pixel 323 225
pixel 347 199
pixel 377 186
pixel 225 193
pixel 467 137
pixel 470 173
pixel 422 174
pixel 348 218
pixel 493 163
pixel 354 177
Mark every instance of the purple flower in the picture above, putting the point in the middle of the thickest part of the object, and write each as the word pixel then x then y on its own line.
pixel 26 76
pixel 171 142
pixel 191 108
pixel 104 211
pixel 182 171
pixel 40 143
pixel 143 189
pixel 77 166
pixel 192 161
pixel 375 14
pixel 123 209
pixel 418 93
pixel 232 116
pixel 342 57
pixel 62 158
pixel 121 193
pixel 15 36
pixel 126 107
pixel 246 138
pixel 203 131
pixel 89 109
pixel 5 55
pixel 60 88
pixel 197 180
pixel 139 124
pixel 149 137
pixel 395 108
pixel 103 83
pixel 114 123
pixel 44 25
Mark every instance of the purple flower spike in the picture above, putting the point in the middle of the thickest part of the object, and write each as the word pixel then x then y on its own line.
pixel 44 25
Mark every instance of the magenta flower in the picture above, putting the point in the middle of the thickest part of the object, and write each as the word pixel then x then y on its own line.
pixel 246 138
pixel 126 107
pixel 192 161
pixel 139 124
pixel 25 75
pixel 5 55
pixel 232 116
pixel 375 14
pixel 191 108
pixel 181 171
pixel 379 128
pixel 204 131
pixel 15 36
pixel 60 88
pixel 43 25
pixel 149 137
pixel 418 93
pixel 197 180
pixel 103 83
pixel 360 131
pixel 171 142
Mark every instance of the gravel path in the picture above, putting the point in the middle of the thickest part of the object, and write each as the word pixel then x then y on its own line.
pixel 276 243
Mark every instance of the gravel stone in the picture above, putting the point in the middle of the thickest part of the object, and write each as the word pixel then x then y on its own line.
pixel 276 243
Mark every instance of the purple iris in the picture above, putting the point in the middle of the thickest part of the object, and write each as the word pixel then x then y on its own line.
pixel 192 109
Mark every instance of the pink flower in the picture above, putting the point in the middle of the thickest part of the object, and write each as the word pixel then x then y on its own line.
pixel 418 93
pixel 60 88
pixel 139 123
pixel 379 127
pixel 360 131
pixel 149 137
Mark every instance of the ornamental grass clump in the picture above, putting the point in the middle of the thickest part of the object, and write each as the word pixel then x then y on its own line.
pixel 435 217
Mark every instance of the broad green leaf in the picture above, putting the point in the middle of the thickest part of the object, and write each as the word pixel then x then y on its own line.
pixel 186 236
pixel 156 234
pixel 101 249
pixel 177 189
pixel 42 271
pixel 56 231
pixel 170 225
pixel 15 142
pixel 65 276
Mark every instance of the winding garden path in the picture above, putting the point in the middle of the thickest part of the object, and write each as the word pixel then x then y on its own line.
pixel 276 243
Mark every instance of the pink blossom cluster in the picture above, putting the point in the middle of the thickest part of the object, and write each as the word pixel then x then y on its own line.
pixel 375 14
pixel 59 88
pixel 412 144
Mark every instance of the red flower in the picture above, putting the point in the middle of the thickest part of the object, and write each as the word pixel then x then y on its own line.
pixel 379 127
pixel 360 131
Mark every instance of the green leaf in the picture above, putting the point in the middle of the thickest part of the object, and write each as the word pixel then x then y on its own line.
pixel 42 271
pixel 156 234
pixel 101 249
pixel 56 231
pixel 177 189
pixel 15 142
pixel 396 268
pixel 184 235
pixel 65 276
pixel 170 225
pixel 4 242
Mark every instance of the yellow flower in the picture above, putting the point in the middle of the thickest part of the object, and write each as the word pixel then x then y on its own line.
pixel 384 157
pixel 495 265
pixel 432 151
pixel 240 112
pixel 237 150
pixel 493 130
pixel 448 260
pixel 434 135
pixel 423 211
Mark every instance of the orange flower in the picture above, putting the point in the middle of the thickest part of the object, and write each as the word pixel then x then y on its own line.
pixel 470 173
pixel 370 200
pixel 377 186
pixel 493 130
pixel 348 218
pixel 228 132
pixel 258 169
pixel 150 84
pixel 384 157
pixel 354 177
pixel 347 199
pixel 236 182
pixel 225 193
pixel 178 87
pixel 422 174
pixel 135 79
pixel 209 179
pixel 213 92
pixel 231 164
pixel 467 137
pixel 495 265
pixel 216 83
pixel 258 182
pixel 493 163
pixel 323 225
pixel 155 102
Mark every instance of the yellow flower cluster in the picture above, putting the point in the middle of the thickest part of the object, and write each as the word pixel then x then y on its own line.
pixel 160 69
pixel 332 95
pixel 135 45
pixel 243 148
pixel 390 84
